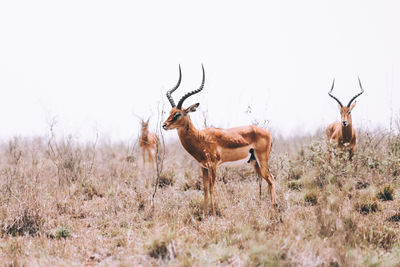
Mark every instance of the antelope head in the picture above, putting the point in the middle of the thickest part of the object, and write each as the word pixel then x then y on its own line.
pixel 345 111
pixel 178 116
pixel 145 125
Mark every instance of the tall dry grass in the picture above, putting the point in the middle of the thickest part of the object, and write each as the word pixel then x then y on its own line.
pixel 64 202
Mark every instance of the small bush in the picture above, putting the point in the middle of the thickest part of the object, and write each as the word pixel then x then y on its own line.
pixel 367 207
pixel 162 248
pixel 191 182
pixel 195 211
pixel 386 193
pixel 62 233
pixel 29 222
pixel 90 190
pixel 367 202
pixel 311 198
pixel 394 218
pixel 382 237
pixel 295 173
pixel 361 185
pixel 295 185
pixel 166 179
pixel 130 159
pixel 158 249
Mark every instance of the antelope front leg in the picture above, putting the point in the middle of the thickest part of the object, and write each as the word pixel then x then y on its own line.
pixel 212 181
pixel 143 157
pixel 151 160
pixel 271 188
pixel 206 184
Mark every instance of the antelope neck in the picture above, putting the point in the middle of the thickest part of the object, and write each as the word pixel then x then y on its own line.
pixel 144 135
pixel 189 136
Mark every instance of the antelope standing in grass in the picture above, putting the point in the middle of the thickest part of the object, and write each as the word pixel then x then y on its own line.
pixel 213 146
pixel 148 142
pixel 343 132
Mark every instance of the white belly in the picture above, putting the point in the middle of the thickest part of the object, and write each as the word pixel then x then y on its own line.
pixel 235 163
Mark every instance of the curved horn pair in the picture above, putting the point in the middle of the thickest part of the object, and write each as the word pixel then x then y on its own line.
pixel 357 95
pixel 187 94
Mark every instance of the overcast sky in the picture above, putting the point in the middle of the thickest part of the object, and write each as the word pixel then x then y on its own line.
pixel 92 64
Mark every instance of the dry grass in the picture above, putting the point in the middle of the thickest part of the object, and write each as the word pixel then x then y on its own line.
pixel 67 203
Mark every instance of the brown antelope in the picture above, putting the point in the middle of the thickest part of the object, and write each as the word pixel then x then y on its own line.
pixel 343 132
pixel 213 146
pixel 147 142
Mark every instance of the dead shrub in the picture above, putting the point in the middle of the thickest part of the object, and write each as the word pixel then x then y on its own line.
pixel 191 182
pixel 28 221
pixel 379 236
pixel 89 190
pixel 194 212
pixel 350 224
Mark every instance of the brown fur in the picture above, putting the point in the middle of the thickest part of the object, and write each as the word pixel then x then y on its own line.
pixel 212 147
pixel 343 134
pixel 148 143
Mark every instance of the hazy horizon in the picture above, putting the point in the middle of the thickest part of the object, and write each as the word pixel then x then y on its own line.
pixel 92 65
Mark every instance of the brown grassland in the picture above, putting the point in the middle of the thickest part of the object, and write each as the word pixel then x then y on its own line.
pixel 68 203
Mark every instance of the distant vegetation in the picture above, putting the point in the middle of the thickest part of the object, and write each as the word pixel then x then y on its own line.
pixel 64 202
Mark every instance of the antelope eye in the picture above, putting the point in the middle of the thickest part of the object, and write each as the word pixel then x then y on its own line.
pixel 176 116
pixel 349 112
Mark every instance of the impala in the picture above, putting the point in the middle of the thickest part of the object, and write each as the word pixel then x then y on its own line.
pixel 214 146
pixel 343 132
pixel 147 142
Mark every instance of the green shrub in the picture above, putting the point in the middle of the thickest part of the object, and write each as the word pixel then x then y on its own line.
pixel 62 233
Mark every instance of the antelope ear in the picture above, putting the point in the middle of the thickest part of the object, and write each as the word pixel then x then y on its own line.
pixel 192 108
pixel 353 105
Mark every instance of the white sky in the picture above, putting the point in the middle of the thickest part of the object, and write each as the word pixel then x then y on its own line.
pixel 91 64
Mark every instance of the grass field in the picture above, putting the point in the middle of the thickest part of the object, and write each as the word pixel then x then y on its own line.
pixel 68 203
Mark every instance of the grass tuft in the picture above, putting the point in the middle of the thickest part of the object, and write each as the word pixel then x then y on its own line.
pixel 311 198
pixel 386 193
pixel 166 179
